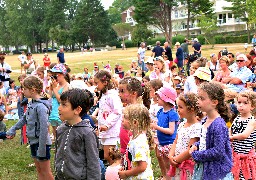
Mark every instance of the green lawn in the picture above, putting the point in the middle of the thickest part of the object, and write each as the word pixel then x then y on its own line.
pixel 15 158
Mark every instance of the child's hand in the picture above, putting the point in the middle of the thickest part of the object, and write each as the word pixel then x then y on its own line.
pixel 192 149
pixel 231 138
pixel 10 137
pixel 122 175
pixel 173 163
pixel 153 125
pixel 103 128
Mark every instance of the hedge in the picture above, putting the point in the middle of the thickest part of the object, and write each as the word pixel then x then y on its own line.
pixel 219 39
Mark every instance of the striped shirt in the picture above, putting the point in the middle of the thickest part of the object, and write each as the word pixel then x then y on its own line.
pixel 243 146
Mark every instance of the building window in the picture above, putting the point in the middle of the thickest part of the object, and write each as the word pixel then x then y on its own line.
pixel 229 15
pixel 176 14
pixel 222 19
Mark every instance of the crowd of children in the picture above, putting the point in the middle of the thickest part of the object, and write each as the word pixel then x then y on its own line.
pixel 183 119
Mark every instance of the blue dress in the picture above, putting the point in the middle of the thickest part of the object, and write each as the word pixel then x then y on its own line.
pixel 54 117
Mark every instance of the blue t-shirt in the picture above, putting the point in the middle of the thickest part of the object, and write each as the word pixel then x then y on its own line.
pixel 164 118
pixel 158 50
pixel 61 57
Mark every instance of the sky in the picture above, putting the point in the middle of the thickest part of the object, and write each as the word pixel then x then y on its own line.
pixel 106 3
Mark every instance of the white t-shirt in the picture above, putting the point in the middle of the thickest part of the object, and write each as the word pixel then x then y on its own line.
pixel 141 52
pixel 190 85
pixel 80 84
pixel 22 58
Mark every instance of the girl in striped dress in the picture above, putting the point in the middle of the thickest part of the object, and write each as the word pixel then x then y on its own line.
pixel 243 137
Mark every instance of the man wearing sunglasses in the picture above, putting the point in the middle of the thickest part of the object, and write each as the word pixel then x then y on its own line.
pixel 237 79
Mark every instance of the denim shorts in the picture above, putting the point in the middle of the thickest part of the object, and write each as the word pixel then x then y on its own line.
pixel 34 148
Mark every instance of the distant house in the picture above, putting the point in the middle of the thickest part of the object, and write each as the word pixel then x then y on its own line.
pixel 225 19
pixel 127 16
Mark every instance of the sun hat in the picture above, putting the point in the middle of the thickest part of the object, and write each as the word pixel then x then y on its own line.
pixel 178 86
pixel 177 78
pixel 79 75
pixel 150 60
pixel 196 40
pixel 242 56
pixel 203 73
pixel 45 54
pixel 59 68
pixel 167 94
pixel 177 44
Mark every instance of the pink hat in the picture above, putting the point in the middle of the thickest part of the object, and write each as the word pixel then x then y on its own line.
pixel 167 94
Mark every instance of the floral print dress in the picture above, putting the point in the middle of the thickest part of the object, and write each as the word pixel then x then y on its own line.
pixel 139 150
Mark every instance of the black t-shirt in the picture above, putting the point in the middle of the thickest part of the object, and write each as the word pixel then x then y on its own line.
pixel 158 50
pixel 168 52
pixel 197 46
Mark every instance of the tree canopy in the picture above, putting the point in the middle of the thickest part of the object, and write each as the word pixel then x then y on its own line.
pixel 66 22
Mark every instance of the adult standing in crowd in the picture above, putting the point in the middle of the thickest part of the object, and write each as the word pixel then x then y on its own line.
pixel 184 47
pixel 5 70
pixel 30 64
pixel 179 56
pixel 22 59
pixel 141 57
pixel 254 40
pixel 168 51
pixel 158 50
pixel 197 47
pixel 60 56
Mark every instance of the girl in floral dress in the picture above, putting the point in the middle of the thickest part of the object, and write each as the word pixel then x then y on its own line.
pixel 189 131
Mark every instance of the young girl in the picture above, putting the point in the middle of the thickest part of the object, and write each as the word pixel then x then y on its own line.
pixel 112 170
pixel 213 153
pixel 136 119
pixel 243 137
pixel 130 92
pixel 190 84
pixel 47 61
pixel 41 74
pixel 188 133
pixel 166 126
pixel 110 110
pixel 59 84
pixel 36 118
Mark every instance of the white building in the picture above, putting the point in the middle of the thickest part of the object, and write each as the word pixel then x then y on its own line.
pixel 225 19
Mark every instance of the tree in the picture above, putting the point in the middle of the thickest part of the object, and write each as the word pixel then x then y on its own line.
pixel 156 13
pixel 92 21
pixel 245 11
pixel 122 29
pixel 141 33
pixel 116 9
pixel 209 28
pixel 195 7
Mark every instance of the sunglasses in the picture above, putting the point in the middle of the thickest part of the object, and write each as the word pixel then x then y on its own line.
pixel 239 60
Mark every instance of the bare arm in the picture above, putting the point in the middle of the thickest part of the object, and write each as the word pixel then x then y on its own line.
pixel 141 167
pixel 169 130
pixel 246 133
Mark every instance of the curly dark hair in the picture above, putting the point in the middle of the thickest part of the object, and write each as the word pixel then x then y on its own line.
pixel 216 92
pixel 190 100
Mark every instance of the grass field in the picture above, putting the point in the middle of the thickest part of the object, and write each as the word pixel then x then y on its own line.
pixel 14 158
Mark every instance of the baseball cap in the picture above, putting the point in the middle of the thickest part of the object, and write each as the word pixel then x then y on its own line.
pixel 59 68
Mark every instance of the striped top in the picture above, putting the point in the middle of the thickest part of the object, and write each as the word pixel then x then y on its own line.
pixel 242 146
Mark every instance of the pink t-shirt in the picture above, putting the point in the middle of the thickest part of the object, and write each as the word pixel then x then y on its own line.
pixel 112 172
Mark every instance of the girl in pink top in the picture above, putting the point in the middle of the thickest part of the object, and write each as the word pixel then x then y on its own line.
pixel 112 170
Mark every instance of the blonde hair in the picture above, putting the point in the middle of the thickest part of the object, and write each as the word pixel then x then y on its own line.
pixel 225 59
pixel 139 113
pixel 250 95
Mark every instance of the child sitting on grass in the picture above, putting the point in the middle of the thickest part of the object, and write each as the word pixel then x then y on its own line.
pixel 2 126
